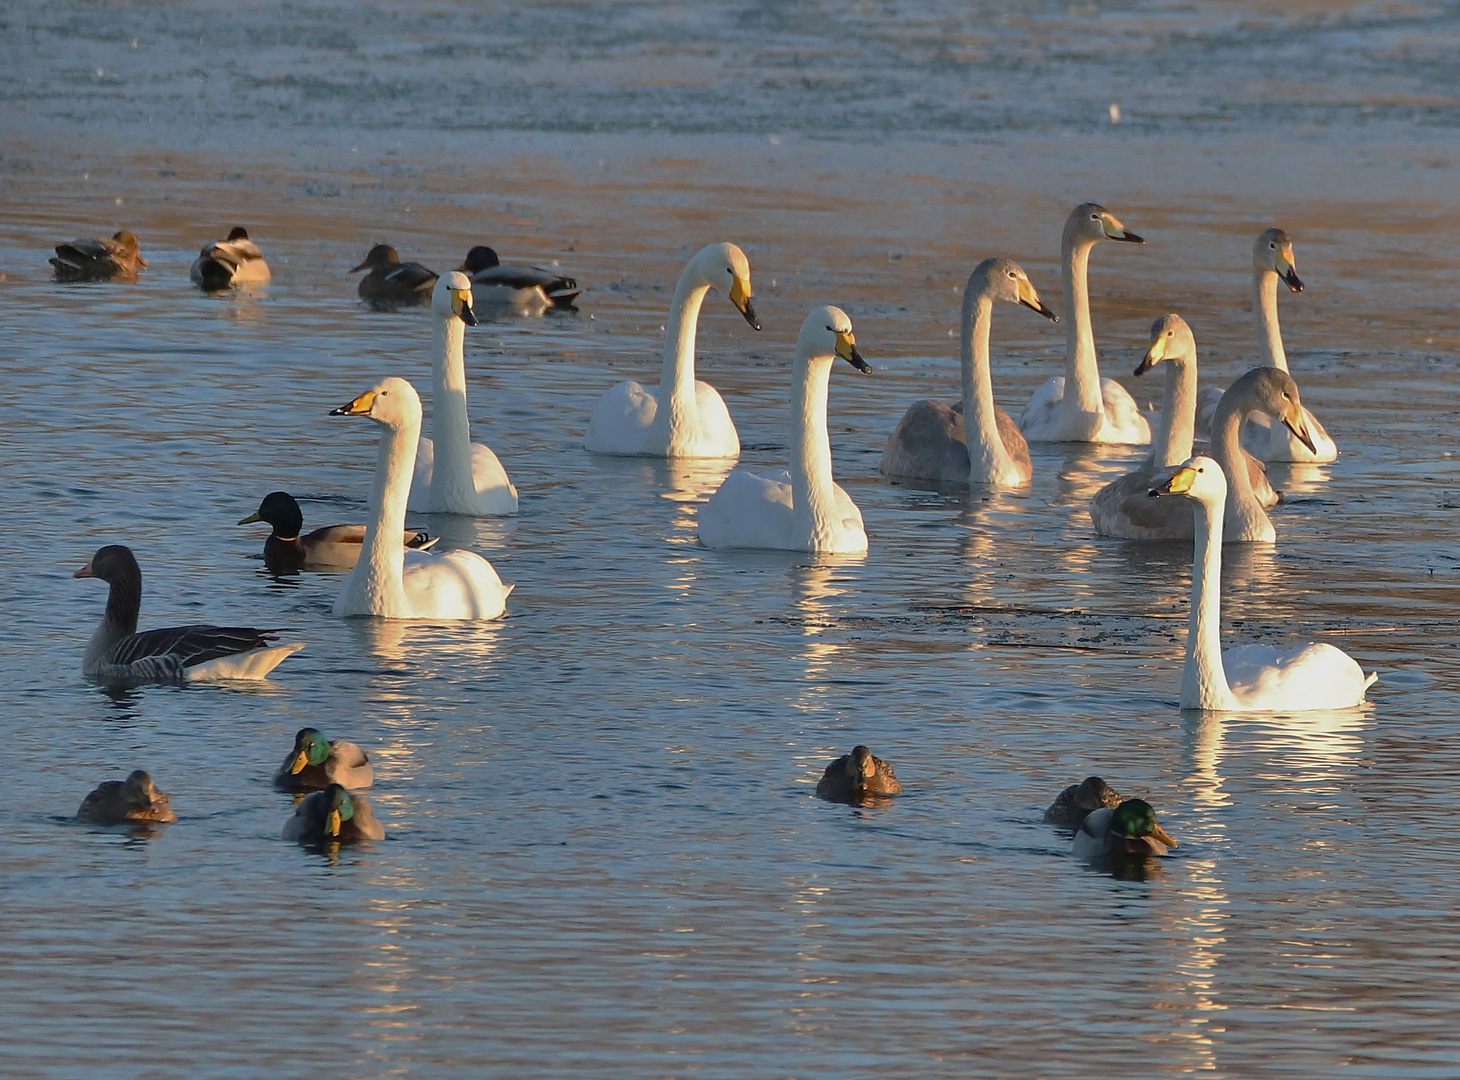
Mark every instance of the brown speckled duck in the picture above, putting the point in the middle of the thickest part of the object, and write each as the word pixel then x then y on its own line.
pixel 117 802
pixel 858 777
pixel 392 283
pixel 1078 801
pixel 117 259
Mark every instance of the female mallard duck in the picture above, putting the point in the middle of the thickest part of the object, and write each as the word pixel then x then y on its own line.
pixel 225 263
pixel 117 259
pixel 333 547
pixel 117 653
pixel 1076 802
pixel 495 282
pixel 117 802
pixel 1128 830
pixel 858 776
pixel 316 763
pixel 333 816
pixel 392 283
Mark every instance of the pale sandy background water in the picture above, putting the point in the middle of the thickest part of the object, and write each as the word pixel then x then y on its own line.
pixel 605 858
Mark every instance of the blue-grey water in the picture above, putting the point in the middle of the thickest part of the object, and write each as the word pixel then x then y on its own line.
pixel 605 857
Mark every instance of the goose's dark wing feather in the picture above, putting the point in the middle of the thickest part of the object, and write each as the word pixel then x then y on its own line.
pixel 188 646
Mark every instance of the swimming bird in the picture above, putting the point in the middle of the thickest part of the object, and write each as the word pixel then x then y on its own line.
pixel 333 547
pixel 333 816
pixel 803 509
pixel 226 263
pixel 117 653
pixel 858 777
pixel 1129 830
pixel 1249 678
pixel 681 417
pixel 392 283
pixel 495 282
pixel 316 763
pixel 452 474
pixel 1080 406
pixel 391 581
pixel 1076 802
pixel 117 259
pixel 932 440
pixel 117 802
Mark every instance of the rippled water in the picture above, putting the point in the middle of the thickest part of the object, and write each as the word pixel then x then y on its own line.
pixel 605 857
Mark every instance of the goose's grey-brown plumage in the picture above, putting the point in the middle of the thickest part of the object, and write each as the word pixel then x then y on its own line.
pixel 117 259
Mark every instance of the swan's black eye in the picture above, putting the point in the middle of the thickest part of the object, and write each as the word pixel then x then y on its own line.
pixel 730 270
pixel 1094 217
pixel 832 329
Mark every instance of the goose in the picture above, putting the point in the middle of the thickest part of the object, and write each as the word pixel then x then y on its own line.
pixel 1121 508
pixel 1249 678
pixel 391 581
pixel 117 259
pixel 803 509
pixel 931 440
pixel 1095 409
pixel 522 286
pixel 692 421
pixel 858 777
pixel 392 283
pixel 316 763
pixel 226 263
pixel 1076 802
pixel 116 653
pixel 1129 830
pixel 333 547
pixel 333 816
pixel 464 477
pixel 117 802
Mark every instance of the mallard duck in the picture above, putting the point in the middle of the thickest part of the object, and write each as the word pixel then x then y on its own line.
pixel 1078 801
pixel 316 763
pixel 333 547
pixel 117 653
pixel 116 259
pixel 494 282
pixel 858 776
pixel 225 263
pixel 333 816
pixel 1129 829
pixel 392 283
pixel 116 802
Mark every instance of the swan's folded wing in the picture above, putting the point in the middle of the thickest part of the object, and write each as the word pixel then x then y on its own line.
pixel 622 418
pixel 1040 417
pixel 453 585
pixel 749 511
pixel 927 444
pixel 1316 676
pixel 1124 508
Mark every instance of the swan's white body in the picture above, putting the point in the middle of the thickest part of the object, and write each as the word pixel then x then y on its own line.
pixel 1250 678
pixel 390 581
pixel 681 417
pixel 1080 406
pixel 454 475
pixel 802 509
pixel 971 441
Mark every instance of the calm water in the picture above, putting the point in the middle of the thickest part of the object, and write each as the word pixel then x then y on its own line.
pixel 605 856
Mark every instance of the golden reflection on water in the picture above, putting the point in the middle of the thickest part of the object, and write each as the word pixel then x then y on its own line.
pixel 687 483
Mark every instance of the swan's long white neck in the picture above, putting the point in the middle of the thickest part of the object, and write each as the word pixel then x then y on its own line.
pixel 376 582
pixel 813 494
pixel 452 484
pixel 1082 409
pixel 680 412
pixel 1244 511
pixel 1270 351
pixel 1178 414
pixel 988 459
pixel 1204 679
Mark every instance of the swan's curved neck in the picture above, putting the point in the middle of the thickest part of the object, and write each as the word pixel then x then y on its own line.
pixel 377 577
pixel 678 378
pixel 452 483
pixel 1082 372
pixel 813 494
pixel 1204 679
pixel 1178 414
pixel 1270 351
pixel 1227 450
pixel 988 458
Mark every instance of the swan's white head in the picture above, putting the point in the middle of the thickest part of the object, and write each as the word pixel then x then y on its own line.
pixel 1090 223
pixel 1273 391
pixel 1200 479
pixel 392 402
pixel 724 268
pixel 1004 279
pixel 827 334
pixel 451 298
pixel 1272 251
pixel 1171 339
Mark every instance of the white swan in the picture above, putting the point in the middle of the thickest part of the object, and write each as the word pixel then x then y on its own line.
pixel 932 440
pixel 1250 678
pixel 454 475
pixel 803 509
pixel 633 419
pixel 226 263
pixel 390 581
pixel 1094 409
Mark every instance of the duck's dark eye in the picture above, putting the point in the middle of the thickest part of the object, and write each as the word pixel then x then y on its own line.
pixel 1202 469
